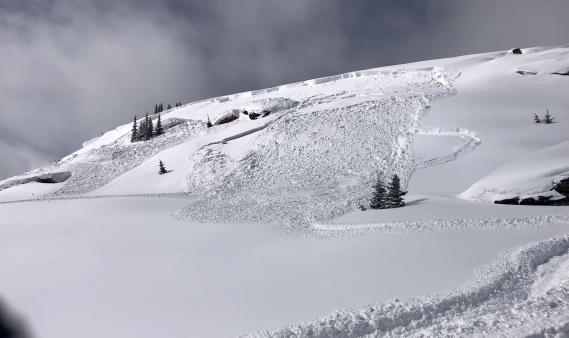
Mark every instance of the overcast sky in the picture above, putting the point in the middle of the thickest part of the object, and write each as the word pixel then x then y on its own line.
pixel 71 69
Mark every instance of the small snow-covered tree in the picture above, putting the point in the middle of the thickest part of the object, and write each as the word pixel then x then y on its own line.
pixel 159 130
pixel 379 198
pixel 536 118
pixel 547 119
pixel 162 169
pixel 134 136
pixel 395 193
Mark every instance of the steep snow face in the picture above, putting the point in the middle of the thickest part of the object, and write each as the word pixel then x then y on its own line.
pixel 327 139
pixel 313 154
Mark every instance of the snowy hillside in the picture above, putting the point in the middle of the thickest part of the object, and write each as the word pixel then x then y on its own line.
pixel 249 172
pixel 327 139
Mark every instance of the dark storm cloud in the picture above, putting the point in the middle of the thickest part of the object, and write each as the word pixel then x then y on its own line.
pixel 70 69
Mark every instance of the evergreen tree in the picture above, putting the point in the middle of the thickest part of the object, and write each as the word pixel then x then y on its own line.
pixel 146 134
pixel 536 118
pixel 149 128
pixel 162 170
pixel 141 131
pixel 134 136
pixel 169 106
pixel 160 108
pixel 159 130
pixel 395 193
pixel 547 119
pixel 379 198
pixel 155 108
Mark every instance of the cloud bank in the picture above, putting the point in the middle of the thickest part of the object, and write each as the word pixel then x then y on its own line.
pixel 72 69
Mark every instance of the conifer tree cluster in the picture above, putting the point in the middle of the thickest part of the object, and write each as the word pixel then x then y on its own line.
pixel 547 119
pixel 146 129
pixel 158 108
pixel 388 197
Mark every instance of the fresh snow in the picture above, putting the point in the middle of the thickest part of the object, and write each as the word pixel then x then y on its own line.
pixel 123 267
pixel 533 174
pixel 507 298
pixel 258 224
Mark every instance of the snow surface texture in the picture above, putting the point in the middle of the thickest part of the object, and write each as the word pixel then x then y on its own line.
pixel 523 293
pixel 97 164
pixel 320 159
pixel 127 263
pixel 375 113
pixel 440 225
pixel 471 141
pixel 314 157
pixel 530 175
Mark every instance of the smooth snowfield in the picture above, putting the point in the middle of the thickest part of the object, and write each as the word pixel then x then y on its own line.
pixel 123 267
pixel 498 104
pixel 523 293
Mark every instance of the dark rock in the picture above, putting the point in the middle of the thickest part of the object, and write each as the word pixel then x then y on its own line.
pixel 526 72
pixel 254 116
pixel 266 113
pixel 515 200
pixel 245 112
pixel 516 51
pixel 527 201
pixel 563 187
pixel 539 200
pixel 227 119
pixel 45 180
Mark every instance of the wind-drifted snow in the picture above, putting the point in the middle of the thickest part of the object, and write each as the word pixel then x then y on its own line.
pixel 533 174
pixel 522 293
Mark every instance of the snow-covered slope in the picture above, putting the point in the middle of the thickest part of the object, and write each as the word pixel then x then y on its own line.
pixel 327 139
pixel 497 103
pixel 460 133
pixel 535 173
